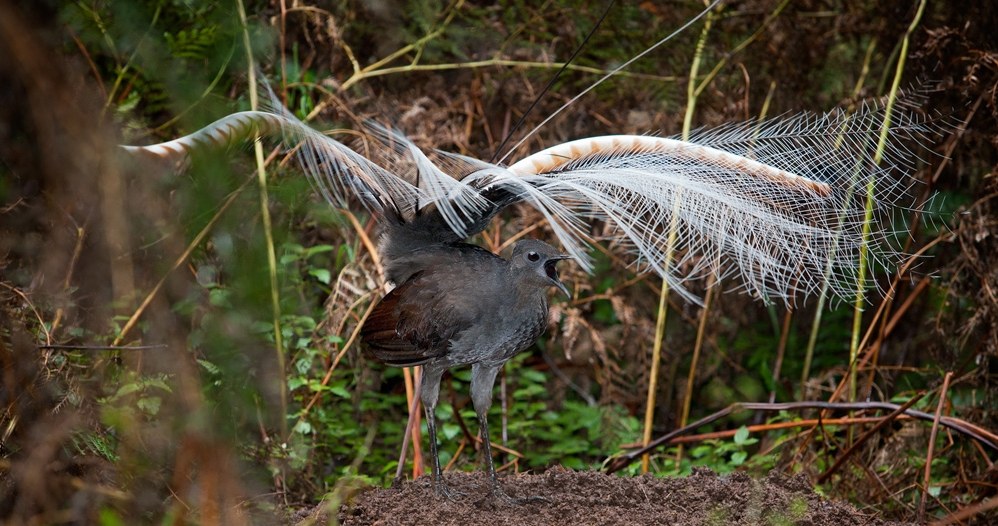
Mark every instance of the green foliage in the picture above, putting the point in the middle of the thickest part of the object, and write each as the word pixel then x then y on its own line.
pixel 572 434
pixel 131 41
pixel 132 401
pixel 722 456
pixel 136 396
pixel 193 44
pixel 110 517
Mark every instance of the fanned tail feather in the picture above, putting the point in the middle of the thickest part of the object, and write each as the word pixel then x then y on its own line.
pixel 780 203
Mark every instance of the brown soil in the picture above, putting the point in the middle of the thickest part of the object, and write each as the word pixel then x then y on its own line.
pixel 597 498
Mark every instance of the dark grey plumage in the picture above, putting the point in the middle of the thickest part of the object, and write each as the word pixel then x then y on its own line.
pixel 459 304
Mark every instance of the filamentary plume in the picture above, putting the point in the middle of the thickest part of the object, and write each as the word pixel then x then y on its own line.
pixel 779 204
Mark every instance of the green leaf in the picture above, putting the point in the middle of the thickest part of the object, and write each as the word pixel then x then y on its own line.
pixel 339 390
pixel 219 297
pixel 127 389
pixel 130 102
pixel 741 436
pixel 321 274
pixel 208 366
pixel 318 249
pixel 449 431
pixel 109 517
pixel 158 382
pixel 150 404
pixel 303 427
pixel 531 376
pixel 701 451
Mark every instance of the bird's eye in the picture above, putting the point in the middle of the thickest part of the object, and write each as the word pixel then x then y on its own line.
pixel 533 256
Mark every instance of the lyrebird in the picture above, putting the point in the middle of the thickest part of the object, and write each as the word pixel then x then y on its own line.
pixel 781 204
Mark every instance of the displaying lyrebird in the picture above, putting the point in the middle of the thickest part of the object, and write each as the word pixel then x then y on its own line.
pixel 781 204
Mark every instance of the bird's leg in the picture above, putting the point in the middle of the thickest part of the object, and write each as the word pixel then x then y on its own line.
pixel 429 393
pixel 482 381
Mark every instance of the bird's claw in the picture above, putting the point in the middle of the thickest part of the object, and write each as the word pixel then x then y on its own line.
pixel 498 495
pixel 442 490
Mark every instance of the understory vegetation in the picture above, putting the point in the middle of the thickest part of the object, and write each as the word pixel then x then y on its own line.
pixel 159 364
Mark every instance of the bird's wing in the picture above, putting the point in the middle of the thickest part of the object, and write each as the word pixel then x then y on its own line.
pixel 417 320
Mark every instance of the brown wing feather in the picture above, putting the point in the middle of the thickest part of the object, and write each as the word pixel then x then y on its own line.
pixel 400 331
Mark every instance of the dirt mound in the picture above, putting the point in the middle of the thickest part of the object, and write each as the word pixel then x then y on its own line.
pixel 573 497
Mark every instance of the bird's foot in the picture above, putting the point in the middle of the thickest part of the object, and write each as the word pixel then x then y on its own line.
pixel 442 490
pixel 499 496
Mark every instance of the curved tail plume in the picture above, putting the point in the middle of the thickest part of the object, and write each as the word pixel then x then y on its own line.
pixel 228 130
pixel 565 155
pixel 780 204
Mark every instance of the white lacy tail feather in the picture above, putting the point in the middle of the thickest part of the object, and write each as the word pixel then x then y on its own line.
pixel 780 204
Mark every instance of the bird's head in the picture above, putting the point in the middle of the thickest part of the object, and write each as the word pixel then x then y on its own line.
pixel 535 260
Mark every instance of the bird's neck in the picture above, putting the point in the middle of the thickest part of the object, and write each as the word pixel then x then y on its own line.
pixel 527 292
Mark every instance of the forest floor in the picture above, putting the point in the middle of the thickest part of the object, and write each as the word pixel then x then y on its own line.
pixel 586 497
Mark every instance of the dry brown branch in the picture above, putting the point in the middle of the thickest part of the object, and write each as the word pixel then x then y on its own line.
pixel 985 437
pixel 932 445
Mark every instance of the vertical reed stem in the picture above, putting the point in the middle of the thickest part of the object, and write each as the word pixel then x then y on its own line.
pixel 823 295
pixel 870 187
pixel 268 234
pixel 670 245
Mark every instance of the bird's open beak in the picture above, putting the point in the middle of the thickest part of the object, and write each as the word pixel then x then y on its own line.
pixel 561 286
pixel 553 274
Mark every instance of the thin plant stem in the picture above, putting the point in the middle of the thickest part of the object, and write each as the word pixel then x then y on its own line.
pixel 741 46
pixel 354 335
pixel 670 246
pixel 701 327
pixel 134 318
pixel 268 234
pixel 489 63
pixel 692 91
pixel 812 338
pixel 694 361
pixel 927 478
pixel 411 377
pixel 123 68
pixel 659 337
pixel 870 187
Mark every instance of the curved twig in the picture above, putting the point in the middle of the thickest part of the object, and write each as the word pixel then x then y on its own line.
pixel 984 436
